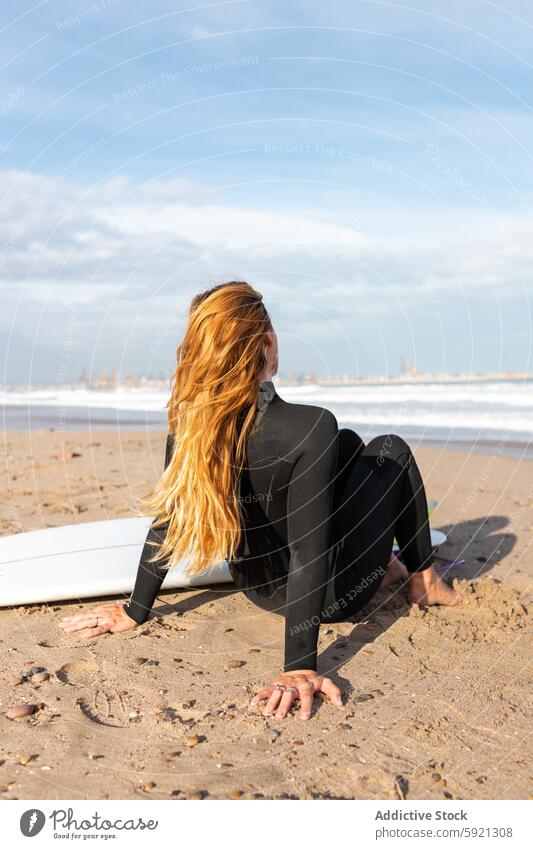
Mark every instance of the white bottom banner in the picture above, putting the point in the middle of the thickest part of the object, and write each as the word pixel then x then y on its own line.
pixel 255 824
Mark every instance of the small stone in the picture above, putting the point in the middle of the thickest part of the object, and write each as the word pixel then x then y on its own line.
pixel 24 759
pixel 254 651
pixel 481 779
pixel 364 697
pixel 193 741
pixel 149 787
pixel 19 711
pixel 138 661
pixel 436 776
pixel 196 795
pixel 39 677
pixel 297 743
pixel 235 794
pixel 235 664
pixel 273 734
pixel 33 670
pixel 442 782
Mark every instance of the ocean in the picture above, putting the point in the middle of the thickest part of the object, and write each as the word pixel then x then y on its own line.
pixel 493 417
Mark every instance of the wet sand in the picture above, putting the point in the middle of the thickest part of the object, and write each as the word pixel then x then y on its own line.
pixel 437 703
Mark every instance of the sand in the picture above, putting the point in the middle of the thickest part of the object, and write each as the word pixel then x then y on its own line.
pixel 437 703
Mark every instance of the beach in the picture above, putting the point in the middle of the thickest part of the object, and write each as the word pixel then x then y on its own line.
pixel 437 703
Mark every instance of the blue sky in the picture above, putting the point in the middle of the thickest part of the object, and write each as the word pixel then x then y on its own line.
pixel 367 165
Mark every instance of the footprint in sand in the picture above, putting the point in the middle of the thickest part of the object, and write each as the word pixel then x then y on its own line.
pixel 78 672
pixel 104 709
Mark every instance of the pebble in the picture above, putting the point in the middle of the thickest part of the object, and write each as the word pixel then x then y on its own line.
pixel 235 664
pixel 24 759
pixel 196 795
pixel 33 670
pixel 273 734
pixel 192 741
pixel 442 782
pixel 235 794
pixel 18 711
pixel 39 677
pixel 364 697
pixel 149 787
pixel 436 776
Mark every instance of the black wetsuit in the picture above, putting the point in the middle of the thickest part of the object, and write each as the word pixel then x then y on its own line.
pixel 320 512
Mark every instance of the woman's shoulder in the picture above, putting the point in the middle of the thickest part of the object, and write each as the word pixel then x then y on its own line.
pixel 308 418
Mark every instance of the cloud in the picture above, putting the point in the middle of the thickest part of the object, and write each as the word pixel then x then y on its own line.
pixel 57 231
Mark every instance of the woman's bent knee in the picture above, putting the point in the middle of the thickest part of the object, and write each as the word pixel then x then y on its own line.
pixel 389 446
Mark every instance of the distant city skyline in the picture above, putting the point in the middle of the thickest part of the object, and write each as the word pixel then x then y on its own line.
pixel 367 166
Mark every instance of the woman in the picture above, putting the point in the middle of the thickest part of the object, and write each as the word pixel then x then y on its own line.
pixel 304 513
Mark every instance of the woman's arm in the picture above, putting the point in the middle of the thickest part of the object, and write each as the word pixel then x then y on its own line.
pixel 116 617
pixel 309 506
pixel 150 576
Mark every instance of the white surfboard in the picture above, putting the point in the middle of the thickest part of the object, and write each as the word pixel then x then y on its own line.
pixel 89 560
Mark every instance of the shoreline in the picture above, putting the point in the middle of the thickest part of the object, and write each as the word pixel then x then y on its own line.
pixel 72 421
pixel 436 702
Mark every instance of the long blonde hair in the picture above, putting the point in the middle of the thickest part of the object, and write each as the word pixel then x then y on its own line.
pixel 211 412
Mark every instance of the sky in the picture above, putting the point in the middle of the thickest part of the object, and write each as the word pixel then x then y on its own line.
pixel 366 165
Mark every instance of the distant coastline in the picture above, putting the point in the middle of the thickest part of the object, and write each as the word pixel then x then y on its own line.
pixel 112 383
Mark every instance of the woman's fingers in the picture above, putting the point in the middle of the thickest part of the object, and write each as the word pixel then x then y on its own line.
pixel 273 702
pixel 331 691
pixel 81 623
pixel 287 699
pixel 93 632
pixel 100 612
pixel 264 694
pixel 306 702
pixel 70 621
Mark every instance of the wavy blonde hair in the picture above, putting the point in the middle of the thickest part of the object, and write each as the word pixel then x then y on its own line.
pixel 211 412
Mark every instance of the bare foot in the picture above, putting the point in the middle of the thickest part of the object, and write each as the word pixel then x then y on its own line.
pixel 427 588
pixel 396 571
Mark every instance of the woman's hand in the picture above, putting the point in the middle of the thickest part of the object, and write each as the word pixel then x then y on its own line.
pixel 100 620
pixel 301 684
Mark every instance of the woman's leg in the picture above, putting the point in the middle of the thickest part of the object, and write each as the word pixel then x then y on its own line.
pixel 383 498
pixel 350 446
